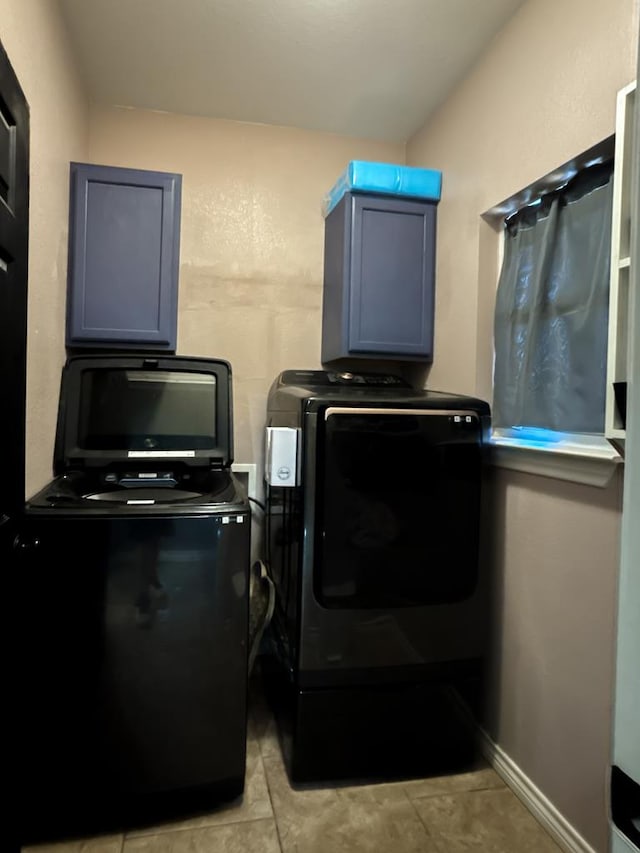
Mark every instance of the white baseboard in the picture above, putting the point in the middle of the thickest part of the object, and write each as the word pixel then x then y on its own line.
pixel 540 806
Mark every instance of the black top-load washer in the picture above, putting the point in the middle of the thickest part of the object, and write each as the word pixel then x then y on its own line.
pixel 382 606
pixel 133 579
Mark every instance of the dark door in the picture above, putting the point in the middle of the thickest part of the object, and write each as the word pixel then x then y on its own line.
pixel 14 240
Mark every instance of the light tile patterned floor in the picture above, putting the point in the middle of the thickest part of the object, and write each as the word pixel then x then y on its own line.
pixel 451 814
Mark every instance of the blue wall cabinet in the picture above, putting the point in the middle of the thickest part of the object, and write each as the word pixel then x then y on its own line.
pixel 124 238
pixel 379 270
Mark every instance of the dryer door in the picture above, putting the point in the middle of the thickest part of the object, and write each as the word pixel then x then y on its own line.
pixel 397 507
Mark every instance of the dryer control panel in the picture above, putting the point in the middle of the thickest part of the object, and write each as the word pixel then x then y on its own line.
pixel 327 379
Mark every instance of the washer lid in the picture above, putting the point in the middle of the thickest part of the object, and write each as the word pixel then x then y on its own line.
pixel 139 410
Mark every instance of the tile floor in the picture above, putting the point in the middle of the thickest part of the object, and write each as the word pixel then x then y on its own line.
pixel 453 814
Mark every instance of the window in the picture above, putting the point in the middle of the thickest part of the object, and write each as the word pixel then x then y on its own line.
pixel 551 317
pixel 551 323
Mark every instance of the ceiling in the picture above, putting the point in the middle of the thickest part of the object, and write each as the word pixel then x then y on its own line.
pixel 369 68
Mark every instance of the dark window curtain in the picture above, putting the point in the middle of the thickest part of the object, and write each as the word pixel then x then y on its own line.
pixel 551 313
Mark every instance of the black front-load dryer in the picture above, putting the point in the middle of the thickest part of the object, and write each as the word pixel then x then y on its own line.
pixel 381 618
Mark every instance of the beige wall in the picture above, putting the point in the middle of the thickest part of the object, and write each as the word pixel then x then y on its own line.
pixel 37 46
pixel 555 557
pixel 251 238
pixel 544 92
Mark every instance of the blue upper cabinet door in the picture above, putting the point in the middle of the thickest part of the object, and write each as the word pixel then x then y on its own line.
pixel 378 298
pixel 123 258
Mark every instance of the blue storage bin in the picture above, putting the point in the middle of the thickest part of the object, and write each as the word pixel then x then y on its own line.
pixel 384 179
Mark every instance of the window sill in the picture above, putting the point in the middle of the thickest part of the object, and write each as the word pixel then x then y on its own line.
pixel 589 460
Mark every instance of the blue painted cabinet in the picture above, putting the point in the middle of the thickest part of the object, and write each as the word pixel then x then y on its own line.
pixel 379 270
pixel 124 239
